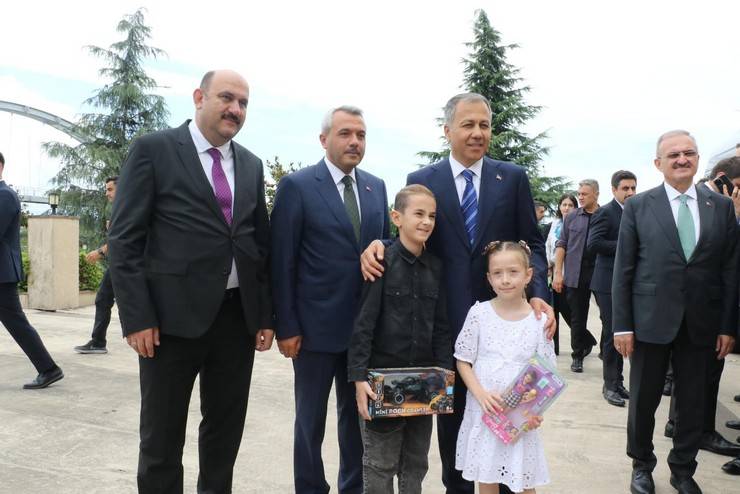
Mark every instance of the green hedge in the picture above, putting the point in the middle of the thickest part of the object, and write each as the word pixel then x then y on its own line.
pixel 90 274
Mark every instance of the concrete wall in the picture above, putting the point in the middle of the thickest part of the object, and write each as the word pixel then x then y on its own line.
pixel 53 252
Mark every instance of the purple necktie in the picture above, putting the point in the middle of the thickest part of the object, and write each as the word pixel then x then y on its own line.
pixel 220 185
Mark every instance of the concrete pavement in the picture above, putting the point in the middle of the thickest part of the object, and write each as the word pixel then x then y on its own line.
pixel 81 434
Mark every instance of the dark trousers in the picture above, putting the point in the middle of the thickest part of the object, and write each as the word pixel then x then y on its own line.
pixel 448 426
pixel 223 359
pixel 612 361
pixel 15 321
pixel 103 305
pixel 649 363
pixel 714 374
pixel 579 300
pixel 395 447
pixel 560 307
pixel 314 374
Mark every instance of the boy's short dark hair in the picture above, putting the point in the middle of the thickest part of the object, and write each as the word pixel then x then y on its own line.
pixel 402 198
pixel 113 179
pixel 622 175
pixel 2 159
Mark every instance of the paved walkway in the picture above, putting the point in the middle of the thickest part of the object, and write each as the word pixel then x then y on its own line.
pixel 81 435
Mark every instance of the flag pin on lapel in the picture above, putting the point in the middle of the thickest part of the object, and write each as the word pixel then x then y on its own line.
pixel 498 177
pixel 709 203
pixel 367 188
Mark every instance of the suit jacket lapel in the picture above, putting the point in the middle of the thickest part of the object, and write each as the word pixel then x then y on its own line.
pixel 189 158
pixel 661 208
pixel 490 182
pixel 443 184
pixel 242 177
pixel 706 205
pixel 330 194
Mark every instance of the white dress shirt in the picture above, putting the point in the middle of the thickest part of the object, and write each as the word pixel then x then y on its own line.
pixel 337 175
pixel 675 202
pixel 458 168
pixel 227 163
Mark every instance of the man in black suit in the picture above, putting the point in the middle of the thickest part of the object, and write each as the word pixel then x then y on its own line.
pixel 674 296
pixel 11 272
pixel 189 243
pixel 602 244
pixel 711 439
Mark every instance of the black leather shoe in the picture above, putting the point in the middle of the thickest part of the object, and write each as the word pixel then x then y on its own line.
pixel 733 424
pixel 668 431
pixel 577 365
pixel 45 379
pixel 715 443
pixel 732 467
pixel 685 486
pixel 667 388
pixel 642 482
pixel 737 398
pixel 612 397
pixel 623 391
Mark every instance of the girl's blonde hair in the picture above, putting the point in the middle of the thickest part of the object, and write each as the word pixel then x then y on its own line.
pixel 497 246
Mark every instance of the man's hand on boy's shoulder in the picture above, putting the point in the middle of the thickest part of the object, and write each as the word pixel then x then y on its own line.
pixel 371 261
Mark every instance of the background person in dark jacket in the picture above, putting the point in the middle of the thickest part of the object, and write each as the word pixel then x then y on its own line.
pixel 602 244
pixel 11 272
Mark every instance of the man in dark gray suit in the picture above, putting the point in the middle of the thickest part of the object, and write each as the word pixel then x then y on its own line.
pixel 11 272
pixel 189 243
pixel 674 297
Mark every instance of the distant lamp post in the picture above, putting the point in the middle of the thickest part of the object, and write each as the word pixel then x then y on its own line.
pixel 53 202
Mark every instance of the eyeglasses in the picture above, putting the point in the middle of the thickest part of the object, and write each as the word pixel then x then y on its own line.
pixel 687 154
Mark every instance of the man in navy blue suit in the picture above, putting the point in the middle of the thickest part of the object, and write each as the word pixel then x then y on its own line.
pixel 11 272
pixel 478 200
pixel 324 216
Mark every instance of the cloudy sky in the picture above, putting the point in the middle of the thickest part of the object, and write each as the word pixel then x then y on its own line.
pixel 610 76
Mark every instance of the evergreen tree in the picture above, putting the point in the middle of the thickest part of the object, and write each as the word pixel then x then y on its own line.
pixel 277 171
pixel 127 109
pixel 487 72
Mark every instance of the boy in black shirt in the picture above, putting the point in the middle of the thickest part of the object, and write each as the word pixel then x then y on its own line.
pixel 402 322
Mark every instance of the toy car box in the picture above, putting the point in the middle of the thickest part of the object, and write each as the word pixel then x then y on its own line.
pixel 406 392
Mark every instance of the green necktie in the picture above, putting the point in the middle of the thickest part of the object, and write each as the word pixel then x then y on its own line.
pixel 685 224
pixel 350 204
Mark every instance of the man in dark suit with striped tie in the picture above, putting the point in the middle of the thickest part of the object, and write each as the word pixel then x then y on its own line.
pixel 479 200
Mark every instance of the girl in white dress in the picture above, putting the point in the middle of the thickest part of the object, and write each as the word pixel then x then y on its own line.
pixel 497 339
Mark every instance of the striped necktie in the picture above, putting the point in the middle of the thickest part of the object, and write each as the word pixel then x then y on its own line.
pixel 221 185
pixel 469 206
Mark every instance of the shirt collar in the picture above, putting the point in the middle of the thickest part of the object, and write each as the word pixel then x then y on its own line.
pixel 408 256
pixel 202 145
pixel 673 193
pixel 457 167
pixel 336 174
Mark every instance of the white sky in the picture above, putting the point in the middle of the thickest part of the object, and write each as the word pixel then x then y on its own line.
pixel 611 78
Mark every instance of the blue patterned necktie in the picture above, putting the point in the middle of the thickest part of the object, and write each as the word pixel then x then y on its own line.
pixel 469 206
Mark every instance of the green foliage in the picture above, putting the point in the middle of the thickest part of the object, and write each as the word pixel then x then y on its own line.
pixel 127 110
pixel 90 274
pixel 23 284
pixel 276 171
pixel 487 72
